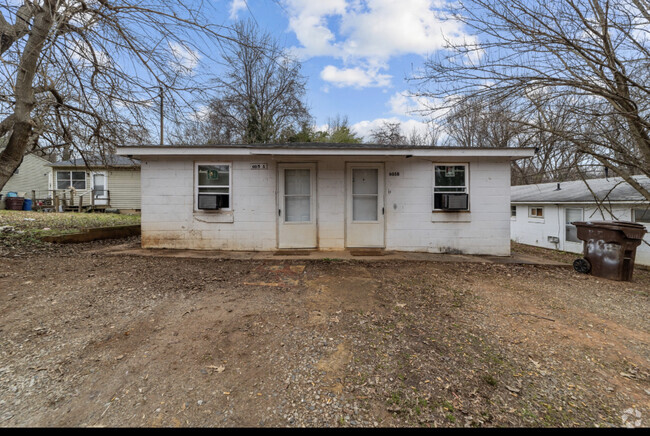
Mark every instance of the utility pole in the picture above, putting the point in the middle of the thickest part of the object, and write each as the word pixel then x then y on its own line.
pixel 162 120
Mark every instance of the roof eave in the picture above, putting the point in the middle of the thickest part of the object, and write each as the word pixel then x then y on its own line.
pixel 138 152
pixel 592 202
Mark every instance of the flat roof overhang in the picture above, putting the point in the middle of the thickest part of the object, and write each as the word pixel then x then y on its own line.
pixel 421 152
pixel 580 202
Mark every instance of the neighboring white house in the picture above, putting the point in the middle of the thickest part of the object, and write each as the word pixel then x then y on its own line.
pixel 33 174
pixel 327 197
pixel 542 214
pixel 113 181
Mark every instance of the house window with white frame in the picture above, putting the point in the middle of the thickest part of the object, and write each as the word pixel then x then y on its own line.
pixel 213 186
pixel 450 187
pixel 71 179
pixel 642 216
pixel 536 212
pixel 571 215
pixel 513 211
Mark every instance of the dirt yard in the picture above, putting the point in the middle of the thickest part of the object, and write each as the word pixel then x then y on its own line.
pixel 93 340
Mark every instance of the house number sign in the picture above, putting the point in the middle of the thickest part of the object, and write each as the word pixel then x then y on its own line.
pixel 259 166
pixel 394 174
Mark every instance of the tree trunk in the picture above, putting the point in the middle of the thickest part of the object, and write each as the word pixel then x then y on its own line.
pixel 19 141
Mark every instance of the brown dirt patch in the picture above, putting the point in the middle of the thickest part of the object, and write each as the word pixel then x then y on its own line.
pixel 94 340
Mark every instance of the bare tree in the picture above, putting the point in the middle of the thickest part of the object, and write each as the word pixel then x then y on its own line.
pixel 389 133
pixel 431 136
pixel 86 75
pixel 260 95
pixel 588 57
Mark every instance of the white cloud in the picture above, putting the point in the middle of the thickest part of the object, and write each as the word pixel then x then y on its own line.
pixel 371 31
pixel 185 59
pixel 408 105
pixel 365 128
pixel 235 7
pixel 354 77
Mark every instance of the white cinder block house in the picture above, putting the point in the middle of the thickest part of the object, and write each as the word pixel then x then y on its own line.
pixel 542 214
pixel 326 197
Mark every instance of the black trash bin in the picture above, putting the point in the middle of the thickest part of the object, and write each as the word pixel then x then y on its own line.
pixel 609 248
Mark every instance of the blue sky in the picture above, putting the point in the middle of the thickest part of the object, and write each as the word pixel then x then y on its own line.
pixel 356 54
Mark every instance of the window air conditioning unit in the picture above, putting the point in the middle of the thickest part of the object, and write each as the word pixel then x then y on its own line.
pixel 454 201
pixel 212 201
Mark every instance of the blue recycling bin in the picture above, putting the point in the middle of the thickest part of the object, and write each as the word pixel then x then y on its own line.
pixel 27 204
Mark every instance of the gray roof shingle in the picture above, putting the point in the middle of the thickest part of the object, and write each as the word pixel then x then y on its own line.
pixel 111 160
pixel 612 189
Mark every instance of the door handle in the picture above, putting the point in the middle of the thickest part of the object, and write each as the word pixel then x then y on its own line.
pixel 279 212
pixel 382 211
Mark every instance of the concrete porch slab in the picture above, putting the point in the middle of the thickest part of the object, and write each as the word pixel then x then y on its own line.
pixel 133 249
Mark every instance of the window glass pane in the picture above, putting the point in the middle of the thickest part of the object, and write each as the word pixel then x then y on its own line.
pixel 63 180
pixel 513 210
pixel 297 209
pixel 642 215
pixel 364 208
pixel 79 184
pixel 78 175
pixel 297 182
pixel 98 181
pixel 571 230
pixel 449 175
pixel 214 175
pixel 365 181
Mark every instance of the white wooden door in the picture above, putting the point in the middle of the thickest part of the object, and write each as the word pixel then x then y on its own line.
pixel 365 205
pixel 100 188
pixel 297 224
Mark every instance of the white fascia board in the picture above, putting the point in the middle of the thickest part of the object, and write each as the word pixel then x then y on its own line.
pixel 514 153
pixel 592 203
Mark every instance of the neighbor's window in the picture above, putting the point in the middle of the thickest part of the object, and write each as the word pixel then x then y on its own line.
pixel 642 216
pixel 536 212
pixel 571 232
pixel 513 211
pixel 213 186
pixel 450 190
pixel 70 179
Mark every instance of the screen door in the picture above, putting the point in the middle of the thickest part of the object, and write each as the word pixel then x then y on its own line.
pixel 297 209
pixel 365 205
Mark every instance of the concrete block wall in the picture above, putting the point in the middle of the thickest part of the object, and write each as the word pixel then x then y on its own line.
pixel 169 219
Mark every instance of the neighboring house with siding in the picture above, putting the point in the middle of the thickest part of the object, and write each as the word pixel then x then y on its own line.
pixel 113 181
pixel 542 214
pixel 33 174
pixel 326 197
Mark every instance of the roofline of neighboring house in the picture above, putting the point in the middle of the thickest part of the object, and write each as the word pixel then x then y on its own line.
pixel 317 150
pixel 632 202
pixel 93 167
pixel 31 153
